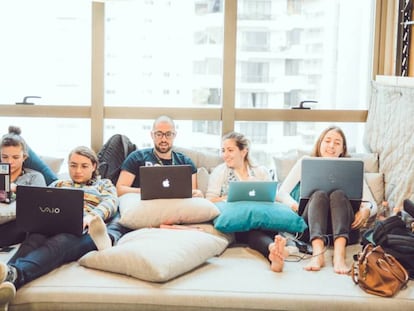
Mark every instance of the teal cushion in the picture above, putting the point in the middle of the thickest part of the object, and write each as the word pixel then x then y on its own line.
pixel 247 215
pixel 295 193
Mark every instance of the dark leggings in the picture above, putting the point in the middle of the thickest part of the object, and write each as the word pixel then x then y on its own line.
pixel 258 240
pixel 329 215
pixel 10 234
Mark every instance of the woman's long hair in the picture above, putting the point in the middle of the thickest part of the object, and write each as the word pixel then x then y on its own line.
pixel 316 151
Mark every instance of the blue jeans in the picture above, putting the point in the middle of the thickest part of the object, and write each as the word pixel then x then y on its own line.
pixel 40 254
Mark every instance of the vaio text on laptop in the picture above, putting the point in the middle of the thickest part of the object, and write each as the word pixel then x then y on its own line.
pixel 49 210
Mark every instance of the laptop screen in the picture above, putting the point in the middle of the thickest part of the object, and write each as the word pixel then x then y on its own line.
pixel 5 193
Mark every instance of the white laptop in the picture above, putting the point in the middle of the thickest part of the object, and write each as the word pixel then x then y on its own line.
pixel 49 210
pixel 5 192
pixel 329 174
pixel 252 191
pixel 165 182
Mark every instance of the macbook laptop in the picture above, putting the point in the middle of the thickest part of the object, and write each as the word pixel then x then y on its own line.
pixel 329 174
pixel 5 193
pixel 165 182
pixel 252 191
pixel 49 210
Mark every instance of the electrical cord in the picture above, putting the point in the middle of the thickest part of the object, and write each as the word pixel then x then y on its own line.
pixel 303 248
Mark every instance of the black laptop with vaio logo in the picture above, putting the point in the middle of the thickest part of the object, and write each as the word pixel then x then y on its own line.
pixel 165 182
pixel 252 191
pixel 329 174
pixel 49 210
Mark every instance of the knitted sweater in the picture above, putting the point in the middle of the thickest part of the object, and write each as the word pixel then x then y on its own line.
pixel 100 197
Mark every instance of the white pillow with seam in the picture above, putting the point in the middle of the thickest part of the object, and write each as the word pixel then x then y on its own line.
pixel 137 213
pixel 156 255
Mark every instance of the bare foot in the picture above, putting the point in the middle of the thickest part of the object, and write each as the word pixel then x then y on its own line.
pixel 339 264
pixel 340 267
pixel 98 233
pixel 277 254
pixel 318 261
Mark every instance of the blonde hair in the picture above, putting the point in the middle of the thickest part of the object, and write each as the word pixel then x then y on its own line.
pixel 242 143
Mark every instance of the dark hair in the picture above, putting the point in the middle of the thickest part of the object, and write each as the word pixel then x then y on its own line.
pixel 316 152
pixel 90 154
pixel 13 139
pixel 241 142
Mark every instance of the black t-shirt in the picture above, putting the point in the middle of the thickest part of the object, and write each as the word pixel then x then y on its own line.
pixel 147 157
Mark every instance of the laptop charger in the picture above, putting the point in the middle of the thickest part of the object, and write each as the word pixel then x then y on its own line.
pixel 304 247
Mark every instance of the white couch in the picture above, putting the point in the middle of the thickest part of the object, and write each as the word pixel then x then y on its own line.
pixel 237 279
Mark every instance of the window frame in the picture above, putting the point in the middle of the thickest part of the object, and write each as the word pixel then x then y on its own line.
pixel 228 114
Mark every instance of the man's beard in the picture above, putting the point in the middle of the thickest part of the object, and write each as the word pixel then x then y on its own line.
pixel 162 150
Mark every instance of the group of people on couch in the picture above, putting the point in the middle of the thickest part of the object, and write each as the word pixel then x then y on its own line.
pixel 329 216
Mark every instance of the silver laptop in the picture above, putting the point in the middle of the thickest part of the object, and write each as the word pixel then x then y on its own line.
pixel 49 210
pixel 329 174
pixel 5 192
pixel 252 191
pixel 165 182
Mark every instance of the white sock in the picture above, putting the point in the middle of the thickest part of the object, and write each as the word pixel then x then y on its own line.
pixel 98 233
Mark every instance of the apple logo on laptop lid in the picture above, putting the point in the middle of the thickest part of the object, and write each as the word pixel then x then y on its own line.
pixel 166 183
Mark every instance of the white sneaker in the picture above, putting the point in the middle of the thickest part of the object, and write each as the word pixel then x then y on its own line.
pixel 7 294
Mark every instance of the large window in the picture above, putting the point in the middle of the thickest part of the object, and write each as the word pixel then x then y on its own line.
pixel 318 51
pixel 171 54
pixel 45 51
pixel 163 53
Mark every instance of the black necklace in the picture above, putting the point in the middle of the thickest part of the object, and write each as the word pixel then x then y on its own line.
pixel 160 161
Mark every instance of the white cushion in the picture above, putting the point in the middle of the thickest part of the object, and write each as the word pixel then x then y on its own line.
pixel 54 163
pixel 137 213
pixel 156 255
pixel 375 182
pixel 202 179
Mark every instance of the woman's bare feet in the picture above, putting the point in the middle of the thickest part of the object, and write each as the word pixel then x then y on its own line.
pixel 318 261
pixel 339 263
pixel 278 253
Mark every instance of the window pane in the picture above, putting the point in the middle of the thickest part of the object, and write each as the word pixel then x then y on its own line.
pixel 49 136
pixel 46 51
pixel 163 53
pixel 200 135
pixel 294 50
pixel 271 139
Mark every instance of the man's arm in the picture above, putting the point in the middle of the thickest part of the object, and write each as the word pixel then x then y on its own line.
pixel 196 192
pixel 124 183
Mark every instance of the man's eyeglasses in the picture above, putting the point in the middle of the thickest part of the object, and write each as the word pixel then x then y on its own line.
pixel 168 135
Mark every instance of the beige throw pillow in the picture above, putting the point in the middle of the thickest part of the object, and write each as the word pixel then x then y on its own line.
pixel 137 213
pixel 156 255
